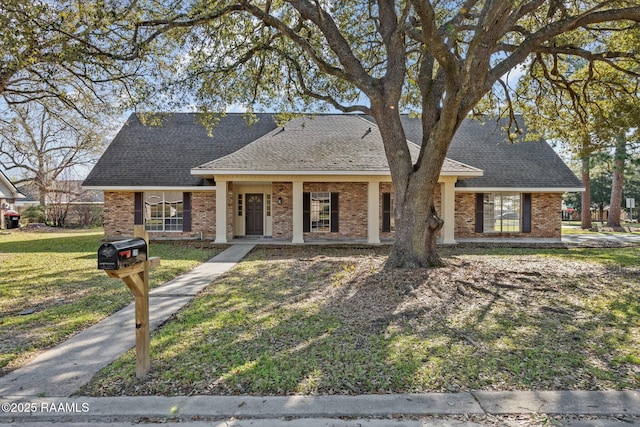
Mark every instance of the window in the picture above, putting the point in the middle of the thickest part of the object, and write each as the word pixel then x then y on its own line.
pixel 163 211
pixel 501 213
pixel 321 212
pixel 240 204
pixel 388 209
pixel 268 204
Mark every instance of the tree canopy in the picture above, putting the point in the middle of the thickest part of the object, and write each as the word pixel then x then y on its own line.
pixel 71 50
pixel 589 107
pixel 437 58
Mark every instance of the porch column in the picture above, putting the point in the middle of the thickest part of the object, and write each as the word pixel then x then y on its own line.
pixel 297 217
pixel 221 211
pixel 448 194
pixel 373 212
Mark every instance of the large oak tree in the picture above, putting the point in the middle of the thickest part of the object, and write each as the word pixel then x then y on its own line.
pixel 382 57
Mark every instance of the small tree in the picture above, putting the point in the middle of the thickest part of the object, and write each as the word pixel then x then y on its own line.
pixel 35 139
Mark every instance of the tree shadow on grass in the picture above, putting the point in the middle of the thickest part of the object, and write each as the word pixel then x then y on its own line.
pixel 329 323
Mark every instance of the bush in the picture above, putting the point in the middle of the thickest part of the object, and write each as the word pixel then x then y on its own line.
pixel 34 214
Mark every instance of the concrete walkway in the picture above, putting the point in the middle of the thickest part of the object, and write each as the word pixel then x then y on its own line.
pixel 585 239
pixel 38 394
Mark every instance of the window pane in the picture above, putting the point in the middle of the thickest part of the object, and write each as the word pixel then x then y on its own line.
pixel 163 210
pixel 510 214
pixel 489 212
pixel 268 204
pixel 501 213
pixel 321 212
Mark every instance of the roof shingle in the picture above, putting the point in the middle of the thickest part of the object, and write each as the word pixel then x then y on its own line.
pixel 485 144
pixel 163 155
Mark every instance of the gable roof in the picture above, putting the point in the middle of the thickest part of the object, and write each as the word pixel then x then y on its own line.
pixel 180 153
pixel 321 144
pixel 8 190
pixel 162 155
pixel 484 143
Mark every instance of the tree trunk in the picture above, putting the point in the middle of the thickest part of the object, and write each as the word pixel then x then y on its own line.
pixel 615 206
pixel 417 221
pixel 417 228
pixel 585 214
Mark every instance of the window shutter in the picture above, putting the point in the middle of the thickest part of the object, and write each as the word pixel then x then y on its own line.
pixel 526 213
pixel 306 212
pixel 386 212
pixel 479 212
pixel 138 211
pixel 335 226
pixel 186 211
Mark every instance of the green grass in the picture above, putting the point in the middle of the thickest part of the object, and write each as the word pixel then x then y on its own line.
pixel 55 274
pixel 574 227
pixel 331 320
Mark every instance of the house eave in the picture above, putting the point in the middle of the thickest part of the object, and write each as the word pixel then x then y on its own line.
pixel 214 172
pixel 385 173
pixel 519 189
pixel 128 188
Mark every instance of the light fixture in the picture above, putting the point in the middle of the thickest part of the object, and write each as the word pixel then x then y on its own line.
pixel 279 200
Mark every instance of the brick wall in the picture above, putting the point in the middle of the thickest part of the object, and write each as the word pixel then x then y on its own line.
pixel 119 206
pixel 546 214
pixel 119 216
pixel 546 220
pixel 203 214
pixel 282 214
pixel 352 215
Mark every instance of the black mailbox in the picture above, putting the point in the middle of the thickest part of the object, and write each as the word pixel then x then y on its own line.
pixel 121 254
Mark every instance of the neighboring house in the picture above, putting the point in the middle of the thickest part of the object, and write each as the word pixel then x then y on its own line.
pixel 9 194
pixel 323 177
pixel 66 202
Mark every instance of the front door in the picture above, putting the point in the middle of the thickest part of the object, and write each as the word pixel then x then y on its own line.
pixel 254 215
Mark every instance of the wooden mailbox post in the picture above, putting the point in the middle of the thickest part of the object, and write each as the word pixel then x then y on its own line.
pixel 136 277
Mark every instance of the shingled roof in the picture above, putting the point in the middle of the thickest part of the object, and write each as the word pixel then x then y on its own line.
pixel 485 144
pixel 8 190
pixel 321 144
pixel 143 155
pixel 166 155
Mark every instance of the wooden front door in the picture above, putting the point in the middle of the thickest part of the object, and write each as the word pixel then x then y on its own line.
pixel 254 225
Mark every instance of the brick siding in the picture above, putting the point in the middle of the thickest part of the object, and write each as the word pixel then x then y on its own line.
pixel 282 214
pixel 119 207
pixel 546 219
pixel 119 217
pixel 352 213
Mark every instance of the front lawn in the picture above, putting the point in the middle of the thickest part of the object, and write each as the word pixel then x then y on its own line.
pixel 331 320
pixel 51 289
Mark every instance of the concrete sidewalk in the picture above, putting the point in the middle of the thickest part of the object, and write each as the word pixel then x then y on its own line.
pixel 585 239
pixel 61 371
pixel 605 408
